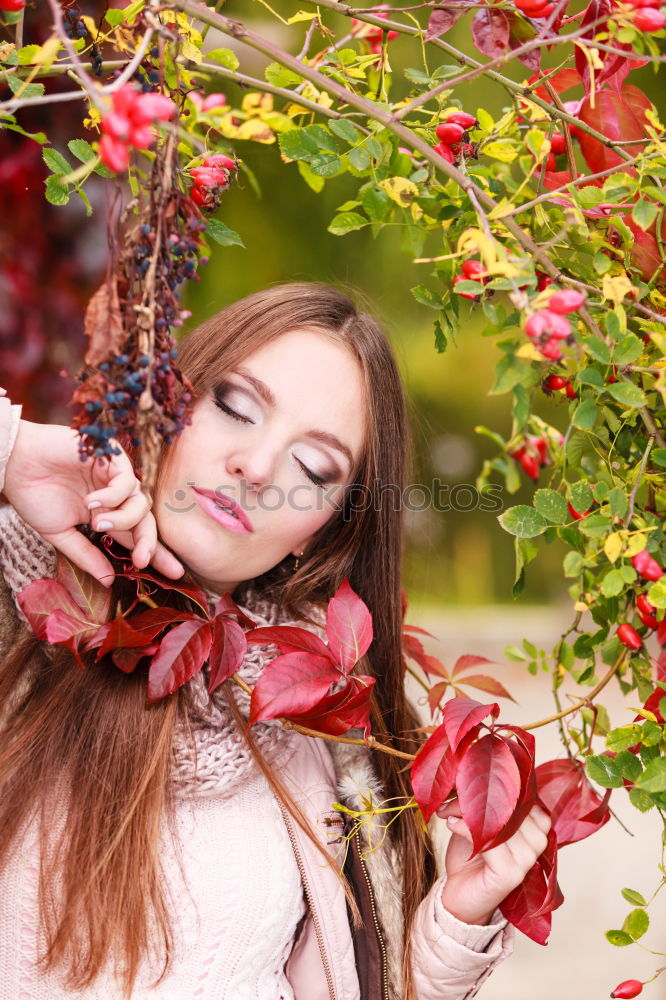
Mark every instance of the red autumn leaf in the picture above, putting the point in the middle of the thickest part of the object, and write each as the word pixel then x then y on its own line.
pixel 290 639
pixel 433 772
pixel 182 652
pixel 435 695
pixel 429 664
pixel 520 32
pixel 227 651
pixel 561 81
pixel 127 659
pixel 490 31
pixel 567 794
pixel 62 627
pixel 462 714
pixel 416 628
pixel 119 633
pixel 522 735
pixel 614 66
pixel 348 627
pixel 645 255
pixel 619 116
pixel 93 599
pixel 41 598
pixel 548 862
pixel 345 709
pixel 292 684
pixel 227 606
pixel 488 785
pixel 468 660
pixel 441 21
pixel 528 792
pixel 488 684
pixel 524 901
pixel 195 593
pixel 152 621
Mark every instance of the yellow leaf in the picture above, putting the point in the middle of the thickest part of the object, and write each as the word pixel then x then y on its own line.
pixel 417 211
pixel 90 25
pixel 255 130
pixel 528 350
pixel 400 190
pixel 47 53
pixel 505 207
pixel 636 543
pixel 191 51
pixel 613 546
pixel 616 286
pixel 581 606
pixel 500 149
pixel 302 15
pixel 256 103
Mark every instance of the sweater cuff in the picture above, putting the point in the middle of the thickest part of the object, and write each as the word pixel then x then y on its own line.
pixel 476 937
pixel 10 415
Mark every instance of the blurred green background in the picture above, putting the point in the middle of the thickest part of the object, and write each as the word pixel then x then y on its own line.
pixel 459 557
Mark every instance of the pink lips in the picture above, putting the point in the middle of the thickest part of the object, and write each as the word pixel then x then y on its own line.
pixel 208 501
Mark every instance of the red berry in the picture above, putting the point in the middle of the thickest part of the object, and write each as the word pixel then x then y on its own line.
pixel 449 132
pixel 213 101
pixel 220 160
pixel 12 5
pixel 644 605
pixel 551 162
pixel 462 118
pixel 571 392
pixel 465 295
pixel 444 151
pixel 649 19
pixel 152 107
pixel 613 377
pixel 198 195
pixel 629 636
pixel 574 513
pixel 646 566
pixel 545 11
pixel 473 269
pixel 208 176
pixel 141 136
pixel 114 153
pixel 125 98
pixel 116 125
pixel 556 382
pixel 566 301
pixel 530 7
pixel 546 322
pixel 541 444
pixel 543 281
pixel 628 989
pixel 557 143
pixel 551 349
pixel 530 465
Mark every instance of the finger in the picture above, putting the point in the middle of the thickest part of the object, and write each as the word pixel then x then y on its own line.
pixel 126 517
pixel 81 551
pixel 144 540
pixel 542 819
pixel 450 808
pixel 119 482
pixel 459 827
pixel 166 563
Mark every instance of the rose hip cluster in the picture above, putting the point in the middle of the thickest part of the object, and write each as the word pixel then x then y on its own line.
pixel 12 5
pixel 532 454
pixel 547 327
pixel 535 8
pixel 210 180
pixel 648 16
pixel 453 135
pixel 472 270
pixel 371 33
pixel 649 569
pixel 129 124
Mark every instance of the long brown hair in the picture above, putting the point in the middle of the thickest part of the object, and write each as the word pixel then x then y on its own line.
pixel 64 720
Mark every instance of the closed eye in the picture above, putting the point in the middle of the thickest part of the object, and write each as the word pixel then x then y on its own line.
pixel 317 480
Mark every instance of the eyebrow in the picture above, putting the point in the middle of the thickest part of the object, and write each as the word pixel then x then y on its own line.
pixel 324 436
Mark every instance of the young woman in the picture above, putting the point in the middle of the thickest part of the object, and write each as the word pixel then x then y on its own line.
pixel 155 851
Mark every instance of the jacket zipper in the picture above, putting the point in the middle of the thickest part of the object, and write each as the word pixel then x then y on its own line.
pixel 309 897
pixel 380 939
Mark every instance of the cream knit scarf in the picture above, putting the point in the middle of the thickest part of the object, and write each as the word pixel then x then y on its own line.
pixel 210 755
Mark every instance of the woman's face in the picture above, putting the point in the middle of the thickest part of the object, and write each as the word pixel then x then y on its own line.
pixel 262 456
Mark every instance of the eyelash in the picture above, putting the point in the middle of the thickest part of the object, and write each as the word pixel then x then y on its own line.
pixel 317 480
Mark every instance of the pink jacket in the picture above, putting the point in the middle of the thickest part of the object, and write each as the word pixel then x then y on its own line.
pixel 450 959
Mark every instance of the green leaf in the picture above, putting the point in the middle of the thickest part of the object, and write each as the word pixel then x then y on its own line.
pixel 56 192
pixel 345 130
pixel 628 350
pixel 325 141
pixel 619 938
pixel 359 158
pixel 521 407
pixel 522 521
pixel 626 393
pixel 623 737
pixel 39 137
pixel 612 585
pixel 225 57
pixel 222 234
pixel 658 455
pixel 552 506
pixel 657 593
pixel 642 801
pixel 500 149
pixel 581 496
pixel 376 203
pixel 55 161
pixel 297 144
pixel 312 180
pixel 604 771
pixel 629 764
pixel 633 897
pixel 644 213
pixel 425 297
pixel 590 376
pixel 346 223
pixel 653 778
pixel 325 164
pixel 585 415
pixel 595 525
pixel 618 501
pixel 280 76
pixel 636 923
pixel 115 16
pixel 597 349
pixel 573 564
pixel 27 90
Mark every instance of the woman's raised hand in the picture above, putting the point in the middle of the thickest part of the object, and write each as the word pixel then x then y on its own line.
pixel 53 490
pixel 475 888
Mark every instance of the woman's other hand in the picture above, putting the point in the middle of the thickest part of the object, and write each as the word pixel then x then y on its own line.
pixel 53 490
pixel 475 888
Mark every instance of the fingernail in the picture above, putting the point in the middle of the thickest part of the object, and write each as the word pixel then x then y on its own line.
pixel 103 526
pixel 453 819
pixel 94 503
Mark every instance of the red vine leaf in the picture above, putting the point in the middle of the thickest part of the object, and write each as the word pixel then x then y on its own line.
pixel 462 714
pixel 488 785
pixel 127 659
pixel 566 792
pixel 441 21
pixel 468 660
pixel 435 695
pixel 227 651
pixel 348 626
pixel 521 31
pixel 290 639
pixel 528 792
pixel 291 685
pixel 619 116
pixel 91 597
pixel 524 901
pixel 490 31
pixel 182 653
pixel 348 708
pixel 488 684
pixel 433 773
pixel 41 598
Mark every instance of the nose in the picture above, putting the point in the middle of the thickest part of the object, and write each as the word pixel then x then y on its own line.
pixel 253 464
